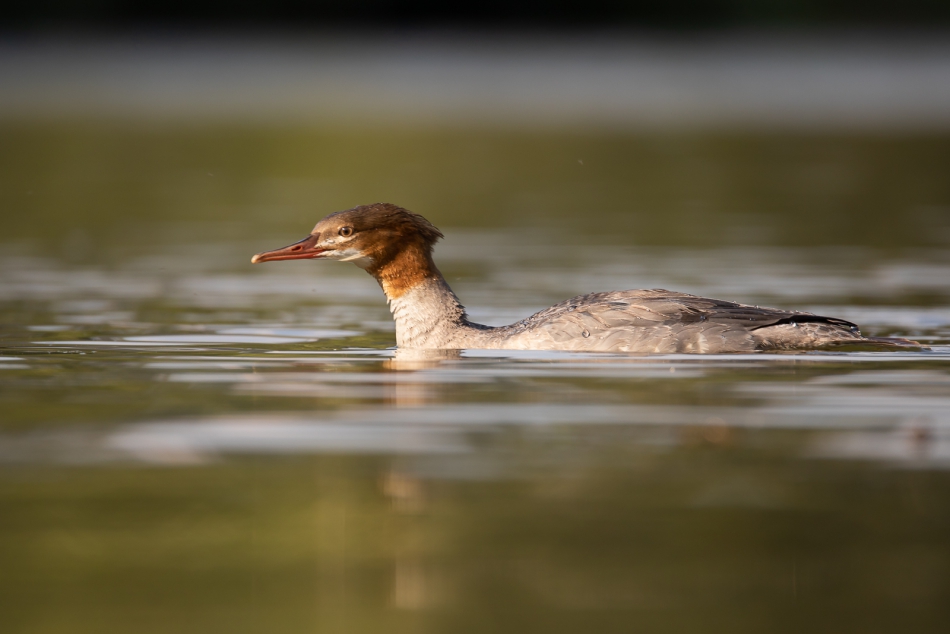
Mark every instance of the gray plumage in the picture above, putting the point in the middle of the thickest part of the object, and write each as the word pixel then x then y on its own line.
pixel 640 321
pixel 664 321
pixel 395 247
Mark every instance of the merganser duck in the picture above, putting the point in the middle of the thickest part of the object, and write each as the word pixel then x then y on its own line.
pixel 395 245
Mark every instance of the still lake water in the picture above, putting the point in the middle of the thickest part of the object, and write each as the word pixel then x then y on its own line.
pixel 190 443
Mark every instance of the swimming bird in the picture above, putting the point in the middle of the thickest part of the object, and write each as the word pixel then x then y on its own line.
pixel 395 246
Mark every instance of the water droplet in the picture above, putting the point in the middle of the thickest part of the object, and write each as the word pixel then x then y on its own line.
pixel 586 334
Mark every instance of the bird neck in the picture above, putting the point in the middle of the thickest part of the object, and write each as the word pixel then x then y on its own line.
pixel 403 269
pixel 426 311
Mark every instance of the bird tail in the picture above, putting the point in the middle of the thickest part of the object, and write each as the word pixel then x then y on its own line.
pixel 877 344
pixel 897 342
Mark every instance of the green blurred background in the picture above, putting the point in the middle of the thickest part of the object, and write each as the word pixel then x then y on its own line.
pixel 140 169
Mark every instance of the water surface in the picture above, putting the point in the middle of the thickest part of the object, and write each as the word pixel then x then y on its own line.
pixel 190 443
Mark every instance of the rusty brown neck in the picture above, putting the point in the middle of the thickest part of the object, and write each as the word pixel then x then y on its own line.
pixel 400 271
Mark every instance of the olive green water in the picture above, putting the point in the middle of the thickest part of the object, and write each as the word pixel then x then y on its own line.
pixel 193 444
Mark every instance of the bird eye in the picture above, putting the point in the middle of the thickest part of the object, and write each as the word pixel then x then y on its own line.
pixel 346 232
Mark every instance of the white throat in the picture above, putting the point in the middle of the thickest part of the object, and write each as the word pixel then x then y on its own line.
pixel 427 316
pixel 351 255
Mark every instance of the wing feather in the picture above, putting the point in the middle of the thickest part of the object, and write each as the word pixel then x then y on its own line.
pixel 664 321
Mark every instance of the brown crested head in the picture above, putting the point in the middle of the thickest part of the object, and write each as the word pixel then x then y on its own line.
pixel 379 231
pixel 391 243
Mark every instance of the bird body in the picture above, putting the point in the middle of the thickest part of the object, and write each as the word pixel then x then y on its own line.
pixel 395 246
